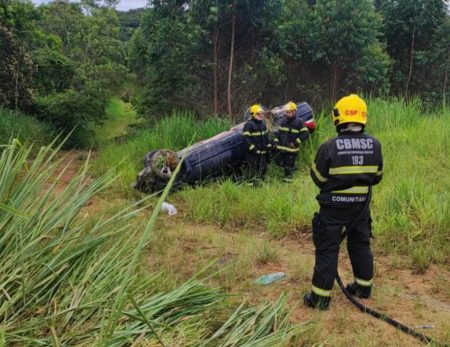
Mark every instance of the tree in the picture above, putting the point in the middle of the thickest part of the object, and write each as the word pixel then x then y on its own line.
pixel 330 48
pixel 347 33
pixel 16 70
pixel 433 67
pixel 235 36
pixel 164 60
pixel 410 27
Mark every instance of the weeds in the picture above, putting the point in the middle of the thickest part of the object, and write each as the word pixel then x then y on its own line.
pixel 267 254
pixel 24 128
pixel 62 276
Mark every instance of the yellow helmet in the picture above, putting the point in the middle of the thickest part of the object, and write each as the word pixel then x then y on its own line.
pixel 255 109
pixel 350 109
pixel 290 106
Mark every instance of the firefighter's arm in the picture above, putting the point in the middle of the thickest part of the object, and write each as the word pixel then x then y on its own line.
pixel 320 167
pixel 303 135
pixel 379 173
pixel 270 145
pixel 276 139
pixel 247 133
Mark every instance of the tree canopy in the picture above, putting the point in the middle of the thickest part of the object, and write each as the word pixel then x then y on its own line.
pixel 219 56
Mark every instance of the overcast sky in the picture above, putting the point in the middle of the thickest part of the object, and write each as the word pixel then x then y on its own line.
pixel 124 5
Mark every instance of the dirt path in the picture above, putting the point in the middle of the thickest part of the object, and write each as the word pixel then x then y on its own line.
pixel 71 164
pixel 413 299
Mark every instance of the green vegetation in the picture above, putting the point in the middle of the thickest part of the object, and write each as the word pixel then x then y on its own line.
pixel 60 64
pixel 174 132
pixel 230 54
pixel 62 61
pixel 411 205
pixel 24 128
pixel 61 271
pixel 119 117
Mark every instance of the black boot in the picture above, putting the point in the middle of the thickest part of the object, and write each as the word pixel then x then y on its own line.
pixel 315 301
pixel 359 291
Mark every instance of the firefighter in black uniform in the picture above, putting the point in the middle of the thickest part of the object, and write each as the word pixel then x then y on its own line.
pixel 343 169
pixel 291 134
pixel 258 145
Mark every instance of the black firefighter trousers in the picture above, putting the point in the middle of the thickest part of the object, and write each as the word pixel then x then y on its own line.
pixel 256 166
pixel 287 161
pixel 327 228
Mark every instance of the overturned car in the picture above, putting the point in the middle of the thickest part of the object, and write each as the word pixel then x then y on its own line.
pixel 219 155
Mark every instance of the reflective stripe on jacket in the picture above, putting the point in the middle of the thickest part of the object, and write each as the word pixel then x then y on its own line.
pixel 256 136
pixel 345 166
pixel 291 134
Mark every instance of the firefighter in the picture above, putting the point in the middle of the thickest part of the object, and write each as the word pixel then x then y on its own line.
pixel 258 145
pixel 291 134
pixel 343 169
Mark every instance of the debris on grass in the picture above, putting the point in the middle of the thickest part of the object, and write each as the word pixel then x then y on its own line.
pixel 270 278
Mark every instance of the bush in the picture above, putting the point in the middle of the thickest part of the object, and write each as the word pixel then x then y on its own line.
pixel 74 110
pixel 24 128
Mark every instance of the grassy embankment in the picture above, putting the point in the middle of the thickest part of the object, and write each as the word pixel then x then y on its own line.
pixel 411 207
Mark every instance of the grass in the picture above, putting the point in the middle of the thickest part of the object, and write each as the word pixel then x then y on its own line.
pixel 119 117
pixel 24 128
pixel 62 272
pixel 173 132
pixel 411 207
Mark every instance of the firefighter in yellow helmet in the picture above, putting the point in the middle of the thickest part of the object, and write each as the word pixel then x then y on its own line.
pixel 343 169
pixel 291 134
pixel 258 145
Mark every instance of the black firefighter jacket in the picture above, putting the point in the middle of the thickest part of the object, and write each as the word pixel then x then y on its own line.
pixel 256 136
pixel 345 166
pixel 291 134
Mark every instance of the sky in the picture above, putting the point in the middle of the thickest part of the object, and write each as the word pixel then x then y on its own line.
pixel 124 5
